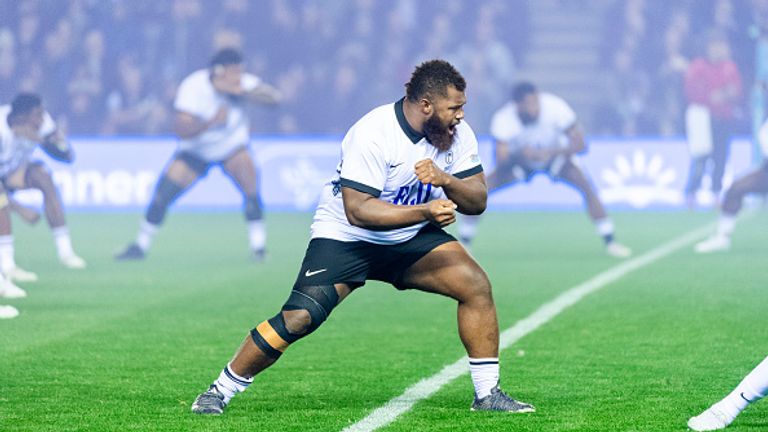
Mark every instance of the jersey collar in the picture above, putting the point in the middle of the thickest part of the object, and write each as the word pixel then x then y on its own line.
pixel 407 129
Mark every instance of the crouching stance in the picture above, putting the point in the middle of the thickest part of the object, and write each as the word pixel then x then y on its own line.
pixel 25 125
pixel 406 169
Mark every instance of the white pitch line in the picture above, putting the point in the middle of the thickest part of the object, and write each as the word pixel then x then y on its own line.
pixel 425 388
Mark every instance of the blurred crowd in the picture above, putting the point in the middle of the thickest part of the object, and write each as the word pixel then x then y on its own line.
pixel 112 66
pixel 649 48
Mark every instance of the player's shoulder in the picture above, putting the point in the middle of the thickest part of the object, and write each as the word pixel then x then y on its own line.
pixel 505 122
pixel 555 107
pixel 552 99
pixel 196 79
pixel 506 112
pixel 375 121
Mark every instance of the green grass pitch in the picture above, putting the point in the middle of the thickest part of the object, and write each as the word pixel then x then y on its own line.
pixel 127 346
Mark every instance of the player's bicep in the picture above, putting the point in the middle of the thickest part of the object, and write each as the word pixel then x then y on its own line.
pixel 364 165
pixel 354 204
pixel 575 136
pixel 186 124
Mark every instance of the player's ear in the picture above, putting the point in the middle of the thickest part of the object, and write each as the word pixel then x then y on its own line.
pixel 426 106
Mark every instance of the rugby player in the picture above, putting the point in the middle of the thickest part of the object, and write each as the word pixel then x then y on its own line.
pixel 539 133
pixel 25 125
pixel 213 128
pixel 406 169
pixel 755 181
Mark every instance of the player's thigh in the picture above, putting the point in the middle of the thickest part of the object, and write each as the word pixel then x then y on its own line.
pixel 448 270
pixel 240 167
pixel 755 182
pixel 17 179
pixel 573 175
pixel 180 173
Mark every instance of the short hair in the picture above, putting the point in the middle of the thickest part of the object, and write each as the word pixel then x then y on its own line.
pixel 432 78
pixel 523 89
pixel 23 104
pixel 226 57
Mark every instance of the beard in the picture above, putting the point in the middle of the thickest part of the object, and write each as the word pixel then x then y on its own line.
pixel 526 118
pixel 438 134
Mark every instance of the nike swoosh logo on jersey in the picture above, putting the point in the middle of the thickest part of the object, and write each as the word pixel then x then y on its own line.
pixel 312 273
pixel 396 165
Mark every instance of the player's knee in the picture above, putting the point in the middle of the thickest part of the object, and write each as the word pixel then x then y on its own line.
pixel 37 176
pixel 306 309
pixel 317 301
pixel 166 193
pixel 476 287
pixel 253 210
pixel 297 322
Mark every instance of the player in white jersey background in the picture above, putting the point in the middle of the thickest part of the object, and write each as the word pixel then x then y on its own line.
pixel 406 168
pixel 539 133
pixel 25 125
pixel 213 128
pixel 753 182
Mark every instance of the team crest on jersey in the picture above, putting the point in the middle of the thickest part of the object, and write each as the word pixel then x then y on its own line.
pixel 449 157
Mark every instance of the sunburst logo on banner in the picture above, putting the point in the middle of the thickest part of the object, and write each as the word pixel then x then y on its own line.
pixel 640 181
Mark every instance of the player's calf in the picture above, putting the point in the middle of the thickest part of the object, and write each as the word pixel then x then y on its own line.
pixel 305 310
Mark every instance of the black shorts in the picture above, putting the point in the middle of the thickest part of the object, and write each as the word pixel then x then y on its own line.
pixel 332 261
pixel 200 165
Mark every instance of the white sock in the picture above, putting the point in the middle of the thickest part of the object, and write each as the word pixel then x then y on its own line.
pixel 147 232
pixel 468 228
pixel 7 261
pixel 63 242
pixel 230 383
pixel 604 227
pixel 257 234
pixel 751 389
pixel 485 375
pixel 726 225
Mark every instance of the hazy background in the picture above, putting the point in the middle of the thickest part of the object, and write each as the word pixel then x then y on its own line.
pixel 112 66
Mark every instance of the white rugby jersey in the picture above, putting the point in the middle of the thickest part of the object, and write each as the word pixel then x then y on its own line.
pixel 15 150
pixel 378 156
pixel 548 131
pixel 197 96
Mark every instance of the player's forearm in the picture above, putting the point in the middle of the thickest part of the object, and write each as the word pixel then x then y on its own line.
pixel 470 194
pixel 265 94
pixel 377 215
pixel 191 128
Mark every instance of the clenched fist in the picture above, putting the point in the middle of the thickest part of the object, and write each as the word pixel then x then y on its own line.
pixel 429 173
pixel 441 212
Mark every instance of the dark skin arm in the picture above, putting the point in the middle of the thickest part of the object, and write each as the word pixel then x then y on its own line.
pixel 263 93
pixel 470 194
pixel 187 125
pixel 366 211
pixel 576 144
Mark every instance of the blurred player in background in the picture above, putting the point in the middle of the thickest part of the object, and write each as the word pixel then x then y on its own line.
pixel 539 133
pixel 25 125
pixel 406 169
pixel 713 83
pixel 756 181
pixel 7 288
pixel 213 129
pixel 751 389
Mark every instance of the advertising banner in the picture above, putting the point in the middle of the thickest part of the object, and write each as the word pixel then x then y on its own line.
pixel 120 173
